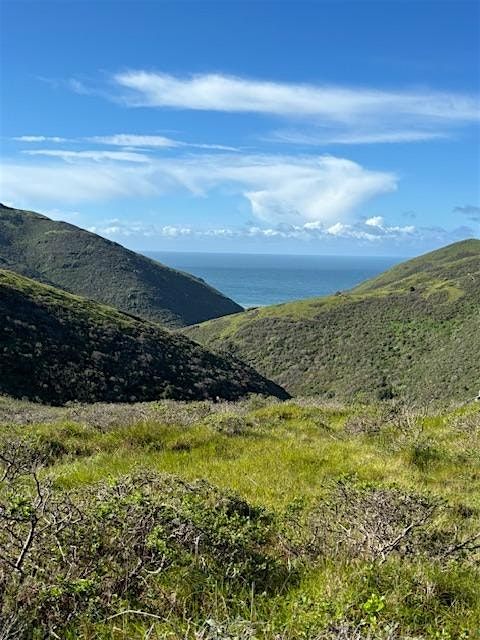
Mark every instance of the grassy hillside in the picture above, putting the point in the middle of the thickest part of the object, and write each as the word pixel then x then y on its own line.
pixel 254 520
pixel 83 263
pixel 57 347
pixel 414 331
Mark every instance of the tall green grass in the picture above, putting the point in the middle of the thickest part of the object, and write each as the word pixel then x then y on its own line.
pixel 285 457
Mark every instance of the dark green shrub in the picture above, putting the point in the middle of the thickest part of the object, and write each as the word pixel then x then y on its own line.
pixel 82 553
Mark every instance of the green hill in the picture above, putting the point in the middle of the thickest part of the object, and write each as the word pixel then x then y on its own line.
pixel 412 332
pixel 56 347
pixel 83 263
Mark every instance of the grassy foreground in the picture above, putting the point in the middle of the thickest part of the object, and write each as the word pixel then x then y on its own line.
pixel 254 519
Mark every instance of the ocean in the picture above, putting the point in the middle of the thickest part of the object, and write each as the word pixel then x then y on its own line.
pixel 255 280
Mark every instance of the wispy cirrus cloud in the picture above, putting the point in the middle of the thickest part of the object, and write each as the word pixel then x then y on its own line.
pixel 280 189
pixel 314 138
pixel 136 140
pixel 73 183
pixel 97 156
pixel 154 141
pixel 40 139
pixel 333 114
pixel 218 92
pixel 127 140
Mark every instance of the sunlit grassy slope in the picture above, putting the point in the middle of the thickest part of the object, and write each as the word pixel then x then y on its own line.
pixel 56 347
pixel 281 521
pixel 412 332
pixel 84 263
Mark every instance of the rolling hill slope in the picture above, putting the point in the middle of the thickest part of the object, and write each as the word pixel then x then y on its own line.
pixel 86 264
pixel 56 347
pixel 412 332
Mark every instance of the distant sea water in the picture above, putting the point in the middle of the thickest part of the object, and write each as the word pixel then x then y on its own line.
pixel 255 280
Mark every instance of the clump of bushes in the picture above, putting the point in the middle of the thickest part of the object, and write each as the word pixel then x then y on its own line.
pixel 87 552
pixel 375 523
pixel 423 453
pixel 467 422
pixel 363 424
pixel 230 424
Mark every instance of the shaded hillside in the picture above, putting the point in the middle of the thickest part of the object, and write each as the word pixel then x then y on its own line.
pixel 83 263
pixel 412 332
pixel 57 347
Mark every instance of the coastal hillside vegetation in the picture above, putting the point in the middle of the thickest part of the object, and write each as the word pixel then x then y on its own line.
pixel 81 262
pixel 56 347
pixel 256 519
pixel 412 332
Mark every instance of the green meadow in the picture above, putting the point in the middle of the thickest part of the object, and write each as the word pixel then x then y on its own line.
pixel 248 519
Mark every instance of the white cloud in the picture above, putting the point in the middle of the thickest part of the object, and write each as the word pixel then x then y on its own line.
pixel 117 228
pixel 386 235
pixel 285 188
pixel 337 229
pixel 201 145
pixel 31 185
pixel 217 92
pixel 134 140
pixel 128 140
pixel 378 223
pixel 375 221
pixel 40 139
pixel 393 136
pixel 372 230
pixel 280 189
pixel 324 189
pixel 97 156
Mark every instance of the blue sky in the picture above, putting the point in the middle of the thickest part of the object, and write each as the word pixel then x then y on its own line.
pixel 256 126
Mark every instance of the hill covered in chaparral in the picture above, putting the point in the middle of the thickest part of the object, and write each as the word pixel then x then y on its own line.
pixel 413 333
pixel 81 262
pixel 56 347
